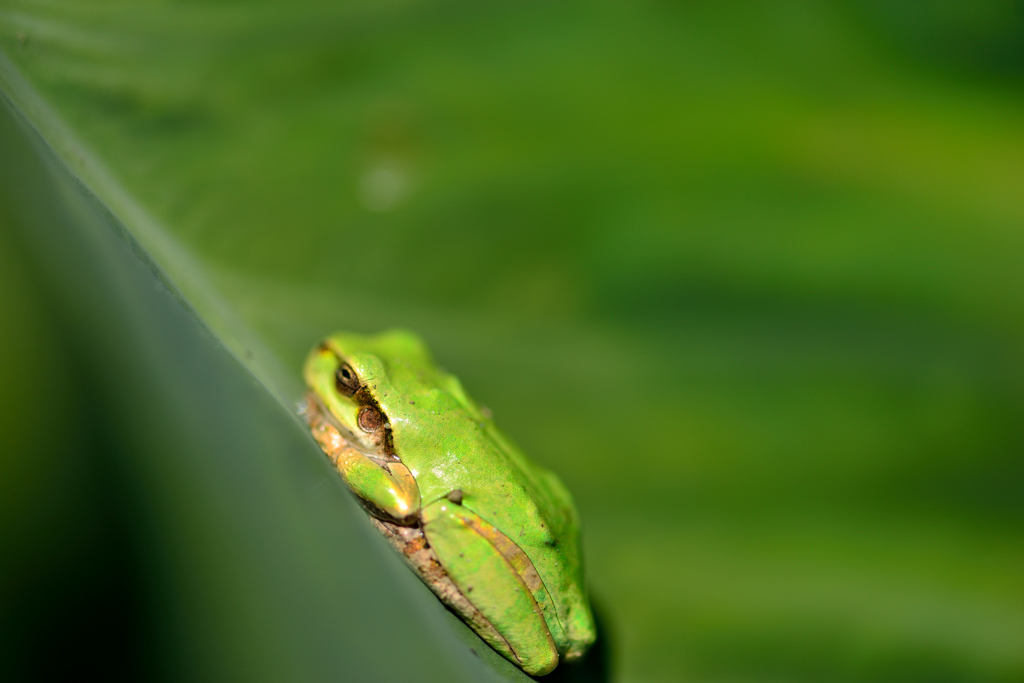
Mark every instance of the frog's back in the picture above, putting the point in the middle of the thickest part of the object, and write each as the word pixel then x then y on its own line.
pixel 524 501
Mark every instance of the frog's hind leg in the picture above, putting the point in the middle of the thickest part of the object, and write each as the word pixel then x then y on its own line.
pixel 411 542
pixel 491 583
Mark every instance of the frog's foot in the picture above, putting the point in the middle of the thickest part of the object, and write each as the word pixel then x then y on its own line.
pixel 497 577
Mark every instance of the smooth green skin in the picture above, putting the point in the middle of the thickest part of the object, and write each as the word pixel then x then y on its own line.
pixel 449 444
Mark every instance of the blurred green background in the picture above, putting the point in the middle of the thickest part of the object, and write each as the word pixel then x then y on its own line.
pixel 747 275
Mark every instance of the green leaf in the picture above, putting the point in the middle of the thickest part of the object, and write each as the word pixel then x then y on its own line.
pixel 251 560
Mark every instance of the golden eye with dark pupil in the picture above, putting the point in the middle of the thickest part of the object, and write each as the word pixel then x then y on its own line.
pixel 370 419
pixel 345 380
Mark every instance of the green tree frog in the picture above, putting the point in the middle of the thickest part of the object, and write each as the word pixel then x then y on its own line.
pixel 494 536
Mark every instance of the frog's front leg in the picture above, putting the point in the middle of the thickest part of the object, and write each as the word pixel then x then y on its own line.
pixel 387 488
pixel 488 578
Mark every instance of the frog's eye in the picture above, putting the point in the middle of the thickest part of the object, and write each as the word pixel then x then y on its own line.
pixel 370 419
pixel 345 380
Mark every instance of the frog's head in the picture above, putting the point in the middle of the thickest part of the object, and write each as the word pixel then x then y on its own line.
pixel 350 376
